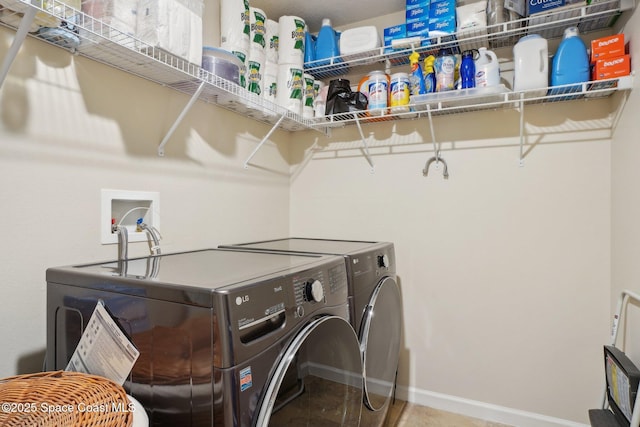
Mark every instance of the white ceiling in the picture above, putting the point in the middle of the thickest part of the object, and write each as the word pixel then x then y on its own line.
pixel 341 12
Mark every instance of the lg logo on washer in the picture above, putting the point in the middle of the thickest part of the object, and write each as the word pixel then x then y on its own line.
pixel 240 300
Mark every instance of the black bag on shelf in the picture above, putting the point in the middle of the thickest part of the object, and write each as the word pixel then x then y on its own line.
pixel 341 99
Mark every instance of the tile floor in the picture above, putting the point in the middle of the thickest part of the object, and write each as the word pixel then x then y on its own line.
pixel 403 414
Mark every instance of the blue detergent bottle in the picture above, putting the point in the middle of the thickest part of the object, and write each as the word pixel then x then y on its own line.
pixel 326 44
pixel 309 48
pixel 571 62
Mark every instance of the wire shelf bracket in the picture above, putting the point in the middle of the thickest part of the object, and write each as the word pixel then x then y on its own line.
pixel 182 115
pixel 21 35
pixel 367 155
pixel 266 137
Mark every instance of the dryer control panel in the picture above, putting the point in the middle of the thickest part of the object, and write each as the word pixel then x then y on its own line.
pixel 375 263
pixel 324 287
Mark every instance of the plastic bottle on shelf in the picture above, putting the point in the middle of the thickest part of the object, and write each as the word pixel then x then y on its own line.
pixel 416 78
pixel 326 44
pixel 445 67
pixel 531 64
pixel 399 93
pixel 309 47
pixel 429 74
pixel 571 62
pixel 378 93
pixel 487 68
pixel 468 70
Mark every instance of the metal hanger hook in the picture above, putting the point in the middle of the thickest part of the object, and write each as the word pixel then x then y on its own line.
pixel 437 159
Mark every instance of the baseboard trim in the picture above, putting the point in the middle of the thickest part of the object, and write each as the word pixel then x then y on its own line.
pixel 481 410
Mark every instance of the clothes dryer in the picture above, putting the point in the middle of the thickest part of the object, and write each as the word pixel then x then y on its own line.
pixel 226 338
pixel 375 309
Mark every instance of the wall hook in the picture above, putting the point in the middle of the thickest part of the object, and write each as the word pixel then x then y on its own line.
pixel 437 159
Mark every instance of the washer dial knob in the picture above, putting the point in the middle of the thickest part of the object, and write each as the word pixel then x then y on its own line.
pixel 313 290
pixel 383 261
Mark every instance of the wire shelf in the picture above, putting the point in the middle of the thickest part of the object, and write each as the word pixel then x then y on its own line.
pixel 551 25
pixel 94 39
pixel 470 100
pixel 82 34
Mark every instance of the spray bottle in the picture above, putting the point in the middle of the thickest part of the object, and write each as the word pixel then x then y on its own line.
pixel 429 74
pixel 416 79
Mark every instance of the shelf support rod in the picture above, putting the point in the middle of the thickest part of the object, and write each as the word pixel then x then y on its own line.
pixel 521 130
pixel 367 155
pixel 436 147
pixel 266 137
pixel 21 34
pixel 184 112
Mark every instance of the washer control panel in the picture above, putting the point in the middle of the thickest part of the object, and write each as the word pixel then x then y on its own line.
pixel 313 290
pixel 261 308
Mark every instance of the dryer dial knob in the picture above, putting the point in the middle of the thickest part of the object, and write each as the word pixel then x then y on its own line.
pixel 314 291
pixel 383 261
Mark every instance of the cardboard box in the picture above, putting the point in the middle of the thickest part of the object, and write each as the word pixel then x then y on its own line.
pixel 543 6
pixel 442 27
pixel 417 14
pixel 393 33
pixel 610 68
pixel 420 28
pixel 607 47
pixel 442 11
pixel 411 4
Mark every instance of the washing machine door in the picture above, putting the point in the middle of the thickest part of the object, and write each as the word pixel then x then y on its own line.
pixel 380 341
pixel 317 380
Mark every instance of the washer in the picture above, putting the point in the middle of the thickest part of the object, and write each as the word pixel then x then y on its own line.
pixel 226 337
pixel 375 309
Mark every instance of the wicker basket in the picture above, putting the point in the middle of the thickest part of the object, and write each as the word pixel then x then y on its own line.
pixel 63 399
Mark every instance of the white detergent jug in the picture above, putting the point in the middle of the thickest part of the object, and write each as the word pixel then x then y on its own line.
pixel 531 64
pixel 487 68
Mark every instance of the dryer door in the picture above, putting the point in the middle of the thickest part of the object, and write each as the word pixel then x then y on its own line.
pixel 318 379
pixel 380 340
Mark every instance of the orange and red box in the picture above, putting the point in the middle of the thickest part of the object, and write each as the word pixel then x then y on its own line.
pixel 610 57
pixel 607 47
pixel 611 68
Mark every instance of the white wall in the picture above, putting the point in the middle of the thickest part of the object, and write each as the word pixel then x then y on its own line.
pixel 625 177
pixel 504 270
pixel 70 127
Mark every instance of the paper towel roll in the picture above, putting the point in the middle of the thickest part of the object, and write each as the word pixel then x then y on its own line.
pixel 308 96
pixel 155 17
pixel 257 34
pixel 270 81
pixel 242 55
pixel 291 40
pixel 255 76
pixel 234 25
pixel 257 51
pixel 272 37
pixel 290 87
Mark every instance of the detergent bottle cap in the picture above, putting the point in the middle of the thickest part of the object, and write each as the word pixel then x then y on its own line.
pixel 326 22
pixel 570 32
